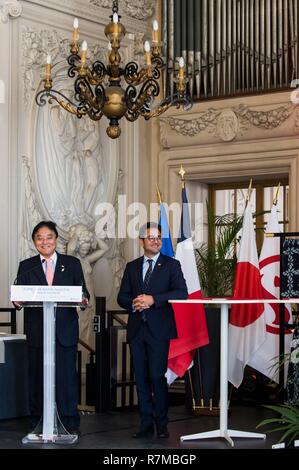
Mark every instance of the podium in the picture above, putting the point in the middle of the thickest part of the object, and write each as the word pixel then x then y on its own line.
pixel 223 431
pixel 50 428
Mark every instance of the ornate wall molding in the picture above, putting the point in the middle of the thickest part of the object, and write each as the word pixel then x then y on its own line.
pixel 227 124
pixel 118 260
pixel 11 8
pixel 30 211
pixel 139 9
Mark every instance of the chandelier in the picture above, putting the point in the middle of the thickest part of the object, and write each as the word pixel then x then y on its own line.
pixel 112 90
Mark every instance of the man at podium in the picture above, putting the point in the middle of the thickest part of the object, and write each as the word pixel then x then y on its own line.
pixel 52 268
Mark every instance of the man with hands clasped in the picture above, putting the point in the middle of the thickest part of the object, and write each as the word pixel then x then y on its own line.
pixel 147 285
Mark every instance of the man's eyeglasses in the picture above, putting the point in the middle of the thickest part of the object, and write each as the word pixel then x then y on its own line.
pixel 153 239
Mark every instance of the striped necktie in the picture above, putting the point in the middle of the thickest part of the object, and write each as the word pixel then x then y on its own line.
pixel 147 275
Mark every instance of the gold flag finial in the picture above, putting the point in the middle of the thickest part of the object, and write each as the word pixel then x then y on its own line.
pixel 159 194
pixel 275 199
pixel 182 174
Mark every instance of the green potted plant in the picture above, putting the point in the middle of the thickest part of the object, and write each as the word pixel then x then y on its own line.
pixel 216 260
pixel 287 421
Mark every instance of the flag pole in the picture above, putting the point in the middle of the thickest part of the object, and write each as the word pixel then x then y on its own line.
pixel 182 175
pixel 159 194
pixel 249 191
pixel 275 199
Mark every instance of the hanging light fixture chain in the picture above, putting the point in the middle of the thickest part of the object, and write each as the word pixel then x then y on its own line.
pixel 115 6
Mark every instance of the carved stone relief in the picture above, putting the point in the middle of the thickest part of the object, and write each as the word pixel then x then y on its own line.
pixel 139 9
pixel 30 210
pixel 227 124
pixel 12 8
pixel 73 168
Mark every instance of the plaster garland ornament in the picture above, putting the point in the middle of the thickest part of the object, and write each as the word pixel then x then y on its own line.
pixel 227 124
pixel 12 8
pixel 139 9
pixel 190 128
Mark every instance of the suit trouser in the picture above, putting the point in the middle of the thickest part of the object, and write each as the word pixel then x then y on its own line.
pixel 150 357
pixel 66 385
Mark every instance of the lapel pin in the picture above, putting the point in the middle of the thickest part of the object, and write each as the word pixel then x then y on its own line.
pixel 159 264
pixel 62 268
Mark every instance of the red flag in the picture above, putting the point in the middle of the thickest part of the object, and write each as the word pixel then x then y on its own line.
pixel 190 319
pixel 247 328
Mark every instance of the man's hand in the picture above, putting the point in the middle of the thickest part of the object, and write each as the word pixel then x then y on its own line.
pixel 18 305
pixel 84 301
pixel 143 302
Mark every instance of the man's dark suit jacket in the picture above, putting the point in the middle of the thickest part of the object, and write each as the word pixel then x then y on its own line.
pixel 68 272
pixel 166 282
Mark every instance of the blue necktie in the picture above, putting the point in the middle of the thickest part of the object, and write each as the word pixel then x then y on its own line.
pixel 147 275
pixel 146 283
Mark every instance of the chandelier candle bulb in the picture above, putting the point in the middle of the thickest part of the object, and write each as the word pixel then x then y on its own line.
pixel 155 32
pixel 76 30
pixel 147 49
pixel 181 68
pixel 48 67
pixel 83 52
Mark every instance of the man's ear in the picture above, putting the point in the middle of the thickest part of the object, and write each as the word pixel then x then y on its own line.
pixel 141 242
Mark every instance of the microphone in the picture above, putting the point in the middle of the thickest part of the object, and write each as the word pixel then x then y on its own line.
pixel 19 275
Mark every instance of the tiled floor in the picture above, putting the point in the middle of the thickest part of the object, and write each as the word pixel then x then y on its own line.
pixel 113 430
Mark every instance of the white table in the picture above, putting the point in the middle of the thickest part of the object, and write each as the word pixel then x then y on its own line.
pixel 223 431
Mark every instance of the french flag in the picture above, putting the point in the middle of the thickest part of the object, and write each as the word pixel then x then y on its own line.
pixel 190 319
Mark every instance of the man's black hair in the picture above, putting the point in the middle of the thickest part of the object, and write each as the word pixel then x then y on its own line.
pixel 145 227
pixel 45 223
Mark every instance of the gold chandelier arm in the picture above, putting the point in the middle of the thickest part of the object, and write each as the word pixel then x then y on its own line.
pixel 138 103
pixel 67 106
pixel 135 77
pixel 158 110
pixel 178 100
pixel 43 96
pixel 92 78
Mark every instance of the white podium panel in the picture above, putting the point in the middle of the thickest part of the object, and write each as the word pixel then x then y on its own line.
pixel 46 293
pixel 50 429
